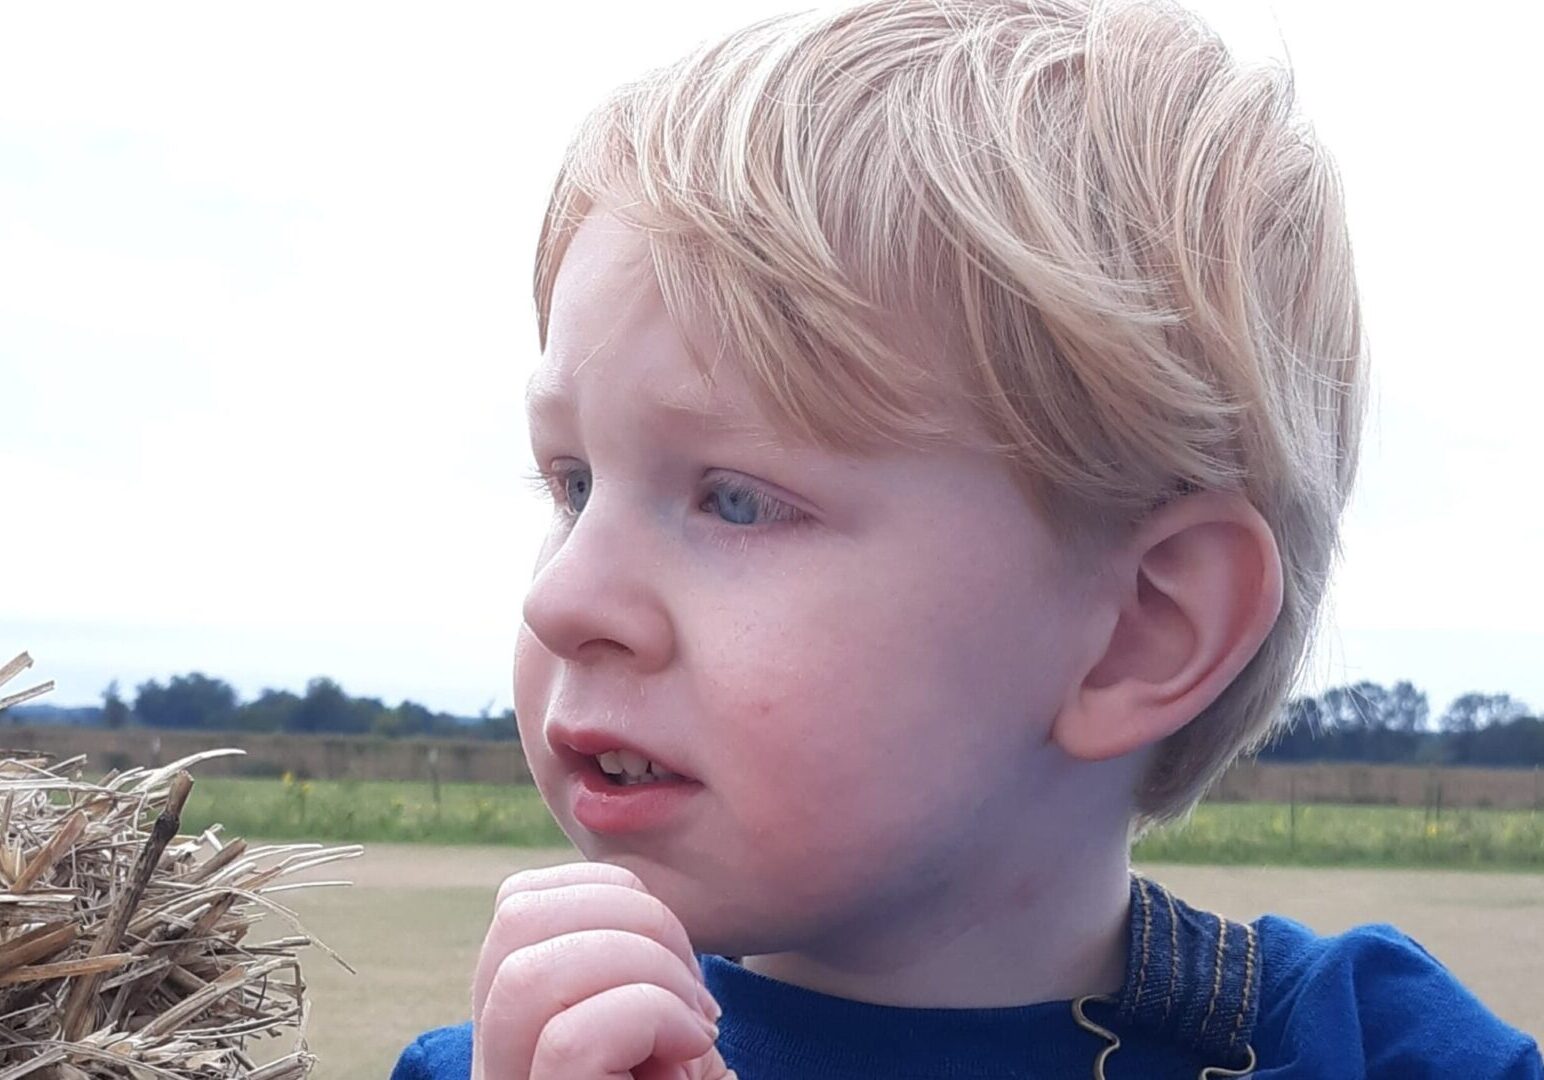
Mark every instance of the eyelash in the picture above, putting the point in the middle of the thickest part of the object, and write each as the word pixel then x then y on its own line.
pixel 549 483
pixel 544 482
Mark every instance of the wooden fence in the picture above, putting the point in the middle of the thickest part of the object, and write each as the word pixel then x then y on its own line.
pixel 1385 785
pixel 337 757
pixel 323 757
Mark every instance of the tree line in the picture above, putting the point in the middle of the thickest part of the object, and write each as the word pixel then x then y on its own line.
pixel 1369 722
pixel 1364 722
pixel 199 702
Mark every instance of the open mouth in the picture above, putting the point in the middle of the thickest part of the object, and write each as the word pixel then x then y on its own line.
pixel 633 771
pixel 607 800
pixel 630 781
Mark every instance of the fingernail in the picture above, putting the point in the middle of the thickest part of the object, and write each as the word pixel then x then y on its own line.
pixel 709 1006
pixel 710 1027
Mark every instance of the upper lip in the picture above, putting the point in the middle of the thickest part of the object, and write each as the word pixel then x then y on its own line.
pixel 592 742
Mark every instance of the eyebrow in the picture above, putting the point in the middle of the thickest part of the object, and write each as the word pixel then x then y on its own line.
pixel 545 399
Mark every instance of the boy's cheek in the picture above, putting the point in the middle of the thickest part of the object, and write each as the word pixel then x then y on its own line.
pixel 533 669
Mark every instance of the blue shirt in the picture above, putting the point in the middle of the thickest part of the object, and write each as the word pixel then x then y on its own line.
pixel 1200 991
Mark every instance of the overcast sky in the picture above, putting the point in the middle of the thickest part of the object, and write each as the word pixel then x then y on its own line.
pixel 265 321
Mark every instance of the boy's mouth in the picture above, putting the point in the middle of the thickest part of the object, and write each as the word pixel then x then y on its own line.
pixel 609 758
pixel 594 778
pixel 614 803
pixel 625 768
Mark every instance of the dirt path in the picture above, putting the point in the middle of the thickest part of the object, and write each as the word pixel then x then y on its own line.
pixel 413 921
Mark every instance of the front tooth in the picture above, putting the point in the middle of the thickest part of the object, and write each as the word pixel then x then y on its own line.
pixel 610 762
pixel 635 765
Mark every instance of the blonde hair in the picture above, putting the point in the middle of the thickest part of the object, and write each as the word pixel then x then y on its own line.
pixel 1134 253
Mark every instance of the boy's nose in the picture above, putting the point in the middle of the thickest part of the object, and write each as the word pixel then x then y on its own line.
pixel 599 592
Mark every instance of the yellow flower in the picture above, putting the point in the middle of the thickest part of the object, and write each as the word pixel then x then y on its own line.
pixel 289 778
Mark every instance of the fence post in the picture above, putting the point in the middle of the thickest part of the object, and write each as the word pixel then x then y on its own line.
pixel 434 775
pixel 1292 837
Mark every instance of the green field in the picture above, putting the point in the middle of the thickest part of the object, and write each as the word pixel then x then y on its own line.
pixel 1219 833
pixel 373 810
pixel 1330 835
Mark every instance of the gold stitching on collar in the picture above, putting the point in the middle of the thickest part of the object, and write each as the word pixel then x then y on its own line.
pixel 1174 961
pixel 1222 945
pixel 1243 1005
pixel 1147 925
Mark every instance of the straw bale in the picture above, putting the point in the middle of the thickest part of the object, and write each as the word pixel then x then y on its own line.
pixel 123 951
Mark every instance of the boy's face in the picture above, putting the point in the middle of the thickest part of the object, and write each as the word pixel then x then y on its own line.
pixel 858 659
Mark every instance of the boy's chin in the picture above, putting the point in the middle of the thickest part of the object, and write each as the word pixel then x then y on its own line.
pixel 712 924
pixel 729 941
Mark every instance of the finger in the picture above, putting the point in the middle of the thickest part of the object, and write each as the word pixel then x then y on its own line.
pixel 535 880
pixel 530 916
pixel 608 1035
pixel 709 1066
pixel 573 873
pixel 536 983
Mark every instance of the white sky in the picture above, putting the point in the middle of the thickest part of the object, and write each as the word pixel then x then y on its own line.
pixel 265 320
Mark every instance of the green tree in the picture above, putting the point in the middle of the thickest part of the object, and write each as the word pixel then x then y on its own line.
pixel 408 718
pixel 115 711
pixel 326 708
pixel 1473 711
pixel 186 701
pixel 1353 708
pixel 1406 708
pixel 273 710
pixel 323 708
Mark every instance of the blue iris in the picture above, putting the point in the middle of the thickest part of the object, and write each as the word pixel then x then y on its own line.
pixel 576 489
pixel 740 506
pixel 735 503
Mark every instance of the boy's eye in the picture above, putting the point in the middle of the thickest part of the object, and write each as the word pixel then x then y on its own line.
pixel 567 486
pixel 576 488
pixel 740 505
pixel 736 506
pixel 734 503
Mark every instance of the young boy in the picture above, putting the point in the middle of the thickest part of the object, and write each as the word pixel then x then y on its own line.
pixel 948 407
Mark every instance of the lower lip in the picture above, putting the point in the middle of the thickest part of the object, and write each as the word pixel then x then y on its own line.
pixel 604 807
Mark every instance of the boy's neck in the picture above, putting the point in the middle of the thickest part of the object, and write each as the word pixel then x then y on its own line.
pixel 1053 933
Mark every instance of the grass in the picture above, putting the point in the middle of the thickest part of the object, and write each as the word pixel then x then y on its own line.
pixel 373 810
pixel 1217 833
pixel 1333 835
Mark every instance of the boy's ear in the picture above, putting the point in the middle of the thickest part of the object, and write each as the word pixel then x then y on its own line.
pixel 1198 588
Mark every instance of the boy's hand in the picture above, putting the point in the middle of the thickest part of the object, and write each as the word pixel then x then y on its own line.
pixel 584 975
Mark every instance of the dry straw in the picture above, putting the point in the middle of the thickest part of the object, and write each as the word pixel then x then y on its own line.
pixel 123 951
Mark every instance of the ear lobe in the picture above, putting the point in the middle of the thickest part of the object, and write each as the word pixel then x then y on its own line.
pixel 1200 590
